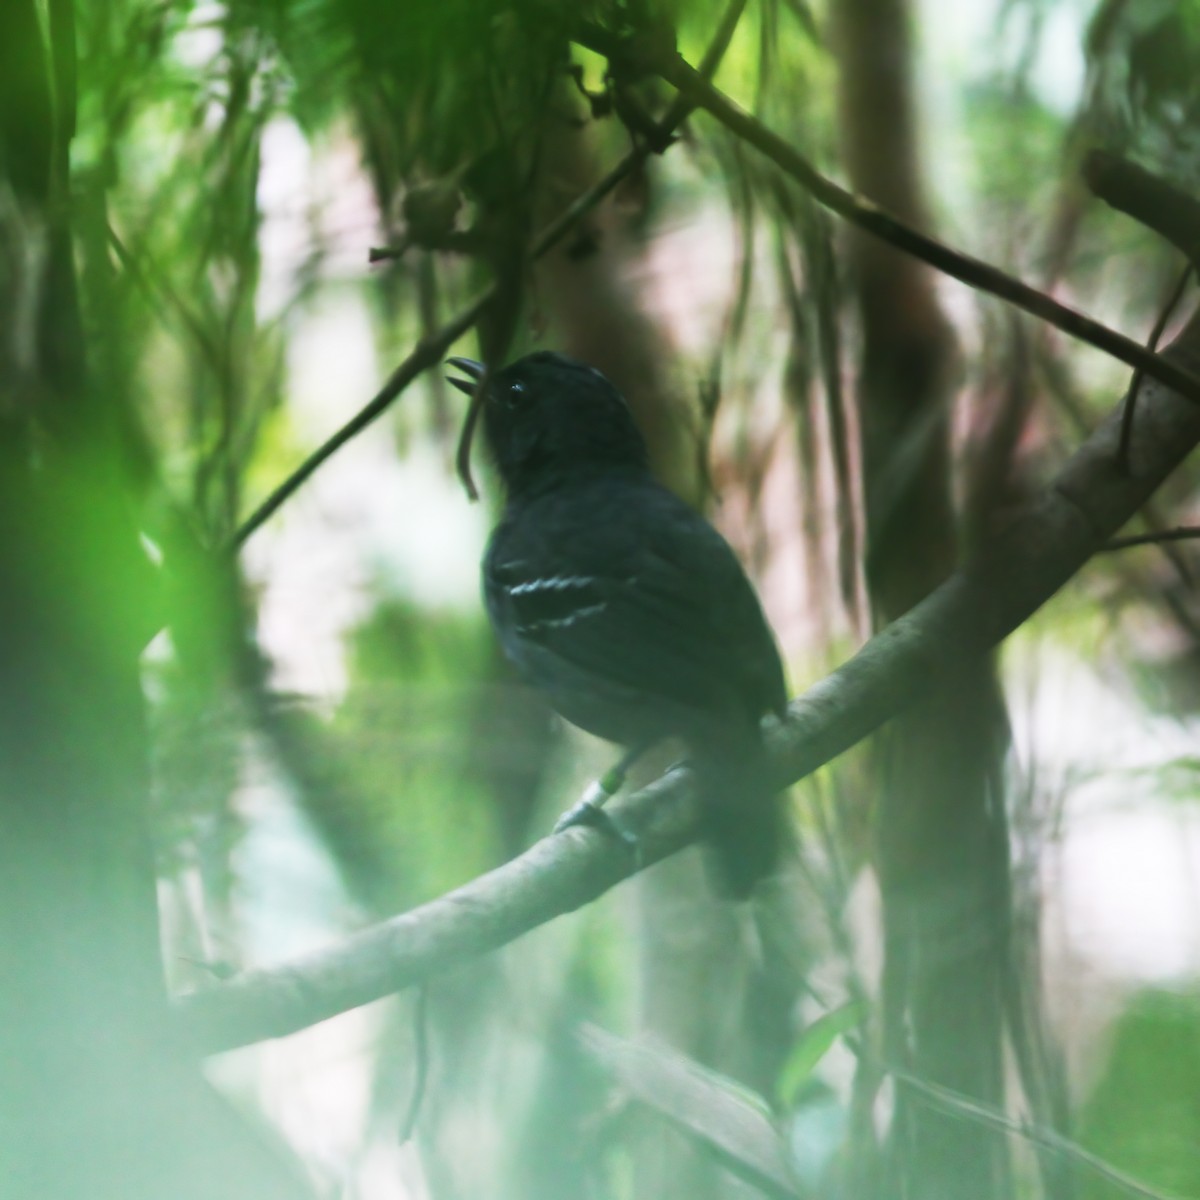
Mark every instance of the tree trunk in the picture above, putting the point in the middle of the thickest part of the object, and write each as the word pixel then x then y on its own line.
pixel 98 1100
pixel 942 853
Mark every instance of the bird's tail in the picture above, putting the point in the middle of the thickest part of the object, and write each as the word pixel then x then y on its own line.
pixel 745 828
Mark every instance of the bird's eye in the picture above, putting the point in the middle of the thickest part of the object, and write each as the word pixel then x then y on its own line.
pixel 513 395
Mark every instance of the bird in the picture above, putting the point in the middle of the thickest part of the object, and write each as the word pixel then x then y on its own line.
pixel 622 605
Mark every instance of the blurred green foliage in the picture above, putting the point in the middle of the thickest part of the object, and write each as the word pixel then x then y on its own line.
pixel 231 165
pixel 1143 1113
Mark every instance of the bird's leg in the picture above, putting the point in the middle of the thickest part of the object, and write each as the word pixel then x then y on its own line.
pixel 589 809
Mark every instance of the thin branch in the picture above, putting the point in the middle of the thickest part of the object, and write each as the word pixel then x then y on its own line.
pixel 870 217
pixel 956 1104
pixel 1042 548
pixel 1182 533
pixel 430 350
pixel 378 254
pixel 720 1113
pixel 1135 384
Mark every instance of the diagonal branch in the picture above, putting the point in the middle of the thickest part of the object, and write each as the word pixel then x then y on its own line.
pixel 430 350
pixel 639 54
pixel 953 1102
pixel 696 91
pixel 1089 500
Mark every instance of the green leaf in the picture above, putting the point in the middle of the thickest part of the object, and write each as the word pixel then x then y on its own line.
pixel 812 1045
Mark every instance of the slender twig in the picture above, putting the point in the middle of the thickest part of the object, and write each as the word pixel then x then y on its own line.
pixel 869 216
pixel 957 1104
pixel 946 632
pixel 1136 382
pixel 735 1123
pixel 428 352
pixel 382 253
pixel 1183 533
pixel 432 348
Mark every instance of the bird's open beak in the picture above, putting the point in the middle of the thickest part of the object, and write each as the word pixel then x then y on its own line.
pixel 468 366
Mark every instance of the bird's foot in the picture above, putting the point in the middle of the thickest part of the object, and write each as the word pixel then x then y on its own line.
pixel 589 810
pixel 596 818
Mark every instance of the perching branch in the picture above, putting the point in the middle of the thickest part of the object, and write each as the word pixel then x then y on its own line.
pixel 640 54
pixel 1091 498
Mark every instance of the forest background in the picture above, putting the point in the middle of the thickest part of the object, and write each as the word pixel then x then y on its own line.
pixel 838 258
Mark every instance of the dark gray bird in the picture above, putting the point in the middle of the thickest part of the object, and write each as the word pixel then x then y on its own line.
pixel 621 604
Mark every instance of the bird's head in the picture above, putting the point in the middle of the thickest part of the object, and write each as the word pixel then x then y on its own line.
pixel 548 417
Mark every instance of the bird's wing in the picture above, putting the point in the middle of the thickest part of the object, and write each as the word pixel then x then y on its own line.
pixel 649 600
